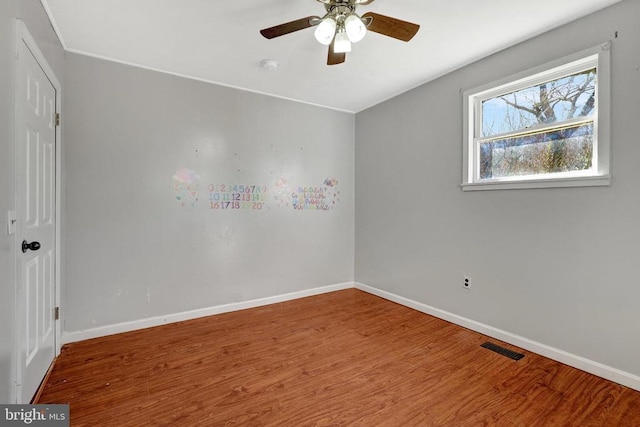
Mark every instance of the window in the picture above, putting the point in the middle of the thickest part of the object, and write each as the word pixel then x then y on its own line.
pixel 547 127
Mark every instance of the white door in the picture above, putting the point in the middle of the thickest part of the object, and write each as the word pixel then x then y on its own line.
pixel 36 210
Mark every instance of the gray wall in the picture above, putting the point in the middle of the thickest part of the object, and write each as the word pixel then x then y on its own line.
pixel 134 251
pixel 33 14
pixel 557 266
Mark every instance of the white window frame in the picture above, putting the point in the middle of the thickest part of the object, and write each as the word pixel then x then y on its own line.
pixel 597 57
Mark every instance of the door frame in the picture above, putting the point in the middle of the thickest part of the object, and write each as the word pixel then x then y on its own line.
pixel 23 36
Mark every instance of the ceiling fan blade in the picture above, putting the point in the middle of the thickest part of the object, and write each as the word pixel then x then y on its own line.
pixel 290 27
pixel 364 2
pixel 334 58
pixel 391 27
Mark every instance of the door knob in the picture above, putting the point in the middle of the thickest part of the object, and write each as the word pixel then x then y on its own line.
pixel 34 246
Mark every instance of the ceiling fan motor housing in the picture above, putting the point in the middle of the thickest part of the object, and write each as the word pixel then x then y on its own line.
pixel 340 8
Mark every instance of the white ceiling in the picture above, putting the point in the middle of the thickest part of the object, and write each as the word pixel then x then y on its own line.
pixel 219 41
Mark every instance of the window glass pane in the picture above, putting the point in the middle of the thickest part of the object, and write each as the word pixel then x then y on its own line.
pixel 550 102
pixel 562 150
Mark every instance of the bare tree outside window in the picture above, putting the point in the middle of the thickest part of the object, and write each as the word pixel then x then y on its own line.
pixel 567 147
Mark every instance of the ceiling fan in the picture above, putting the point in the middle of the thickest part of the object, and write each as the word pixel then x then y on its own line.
pixel 341 26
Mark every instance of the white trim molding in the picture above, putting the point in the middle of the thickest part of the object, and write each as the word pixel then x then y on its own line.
pixel 621 377
pixel 69 337
pixel 607 372
pixel 598 174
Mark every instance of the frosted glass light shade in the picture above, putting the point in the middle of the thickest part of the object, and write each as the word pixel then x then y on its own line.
pixel 325 31
pixel 342 43
pixel 355 28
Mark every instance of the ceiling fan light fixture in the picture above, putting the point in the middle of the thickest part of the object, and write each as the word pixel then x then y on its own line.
pixel 341 25
pixel 355 28
pixel 342 44
pixel 325 31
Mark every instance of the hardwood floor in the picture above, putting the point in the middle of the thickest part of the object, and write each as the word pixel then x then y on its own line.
pixel 343 358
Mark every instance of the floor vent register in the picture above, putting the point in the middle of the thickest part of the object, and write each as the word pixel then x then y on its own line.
pixel 503 351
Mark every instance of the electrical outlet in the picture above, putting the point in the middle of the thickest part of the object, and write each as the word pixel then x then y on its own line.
pixel 466 283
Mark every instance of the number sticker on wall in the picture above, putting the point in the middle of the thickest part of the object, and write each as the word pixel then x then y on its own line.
pixel 233 196
pixel 237 196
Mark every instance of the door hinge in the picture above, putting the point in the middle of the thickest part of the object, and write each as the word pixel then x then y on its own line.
pixel 57 119
pixel 56 313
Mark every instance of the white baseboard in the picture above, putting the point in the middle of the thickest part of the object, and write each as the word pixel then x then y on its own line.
pixel 69 337
pixel 621 377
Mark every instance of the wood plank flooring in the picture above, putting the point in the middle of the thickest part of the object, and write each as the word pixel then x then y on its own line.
pixel 338 359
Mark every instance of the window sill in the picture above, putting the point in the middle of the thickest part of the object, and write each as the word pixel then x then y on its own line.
pixel 591 181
